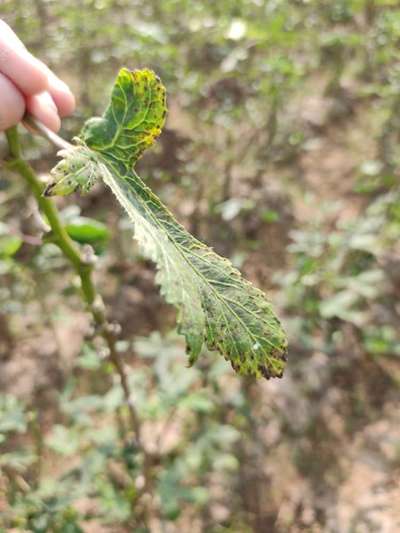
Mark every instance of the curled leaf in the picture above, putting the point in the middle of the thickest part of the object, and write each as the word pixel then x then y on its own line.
pixel 216 306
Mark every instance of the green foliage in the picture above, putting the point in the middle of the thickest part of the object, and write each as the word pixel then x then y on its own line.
pixel 340 274
pixel 215 304
pixel 109 469
pixel 87 231
pixel 9 245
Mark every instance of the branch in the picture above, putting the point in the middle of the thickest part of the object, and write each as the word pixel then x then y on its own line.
pixel 83 264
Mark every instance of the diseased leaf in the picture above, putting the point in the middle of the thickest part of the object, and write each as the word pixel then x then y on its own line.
pixel 216 306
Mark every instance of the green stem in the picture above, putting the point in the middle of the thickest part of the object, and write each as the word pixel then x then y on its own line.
pixel 82 265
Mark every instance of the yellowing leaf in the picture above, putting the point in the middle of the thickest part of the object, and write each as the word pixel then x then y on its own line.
pixel 216 306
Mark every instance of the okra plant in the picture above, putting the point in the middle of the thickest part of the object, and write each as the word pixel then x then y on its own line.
pixel 216 306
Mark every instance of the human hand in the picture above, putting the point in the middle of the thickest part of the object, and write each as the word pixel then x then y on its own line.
pixel 27 84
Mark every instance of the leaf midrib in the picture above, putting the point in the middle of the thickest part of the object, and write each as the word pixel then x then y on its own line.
pixel 198 273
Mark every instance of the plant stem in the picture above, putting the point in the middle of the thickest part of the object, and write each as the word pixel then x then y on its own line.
pixel 83 264
pixel 39 128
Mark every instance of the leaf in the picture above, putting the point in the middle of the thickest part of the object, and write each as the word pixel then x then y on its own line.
pixel 197 401
pixel 216 306
pixel 63 440
pixel 9 245
pixel 12 415
pixel 87 230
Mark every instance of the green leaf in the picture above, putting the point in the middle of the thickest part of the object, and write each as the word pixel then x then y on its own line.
pixel 270 216
pixel 87 230
pixel 197 401
pixel 12 415
pixel 63 440
pixel 9 245
pixel 216 306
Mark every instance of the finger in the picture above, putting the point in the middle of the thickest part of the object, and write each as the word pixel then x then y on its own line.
pixel 24 70
pixel 13 37
pixel 61 94
pixel 12 104
pixel 44 109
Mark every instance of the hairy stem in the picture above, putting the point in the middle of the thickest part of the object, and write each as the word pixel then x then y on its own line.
pixel 82 263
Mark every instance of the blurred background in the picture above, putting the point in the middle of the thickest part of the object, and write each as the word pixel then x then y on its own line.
pixel 280 151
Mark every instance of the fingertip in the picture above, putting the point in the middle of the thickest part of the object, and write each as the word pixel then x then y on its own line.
pixel 62 96
pixel 44 109
pixel 56 124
